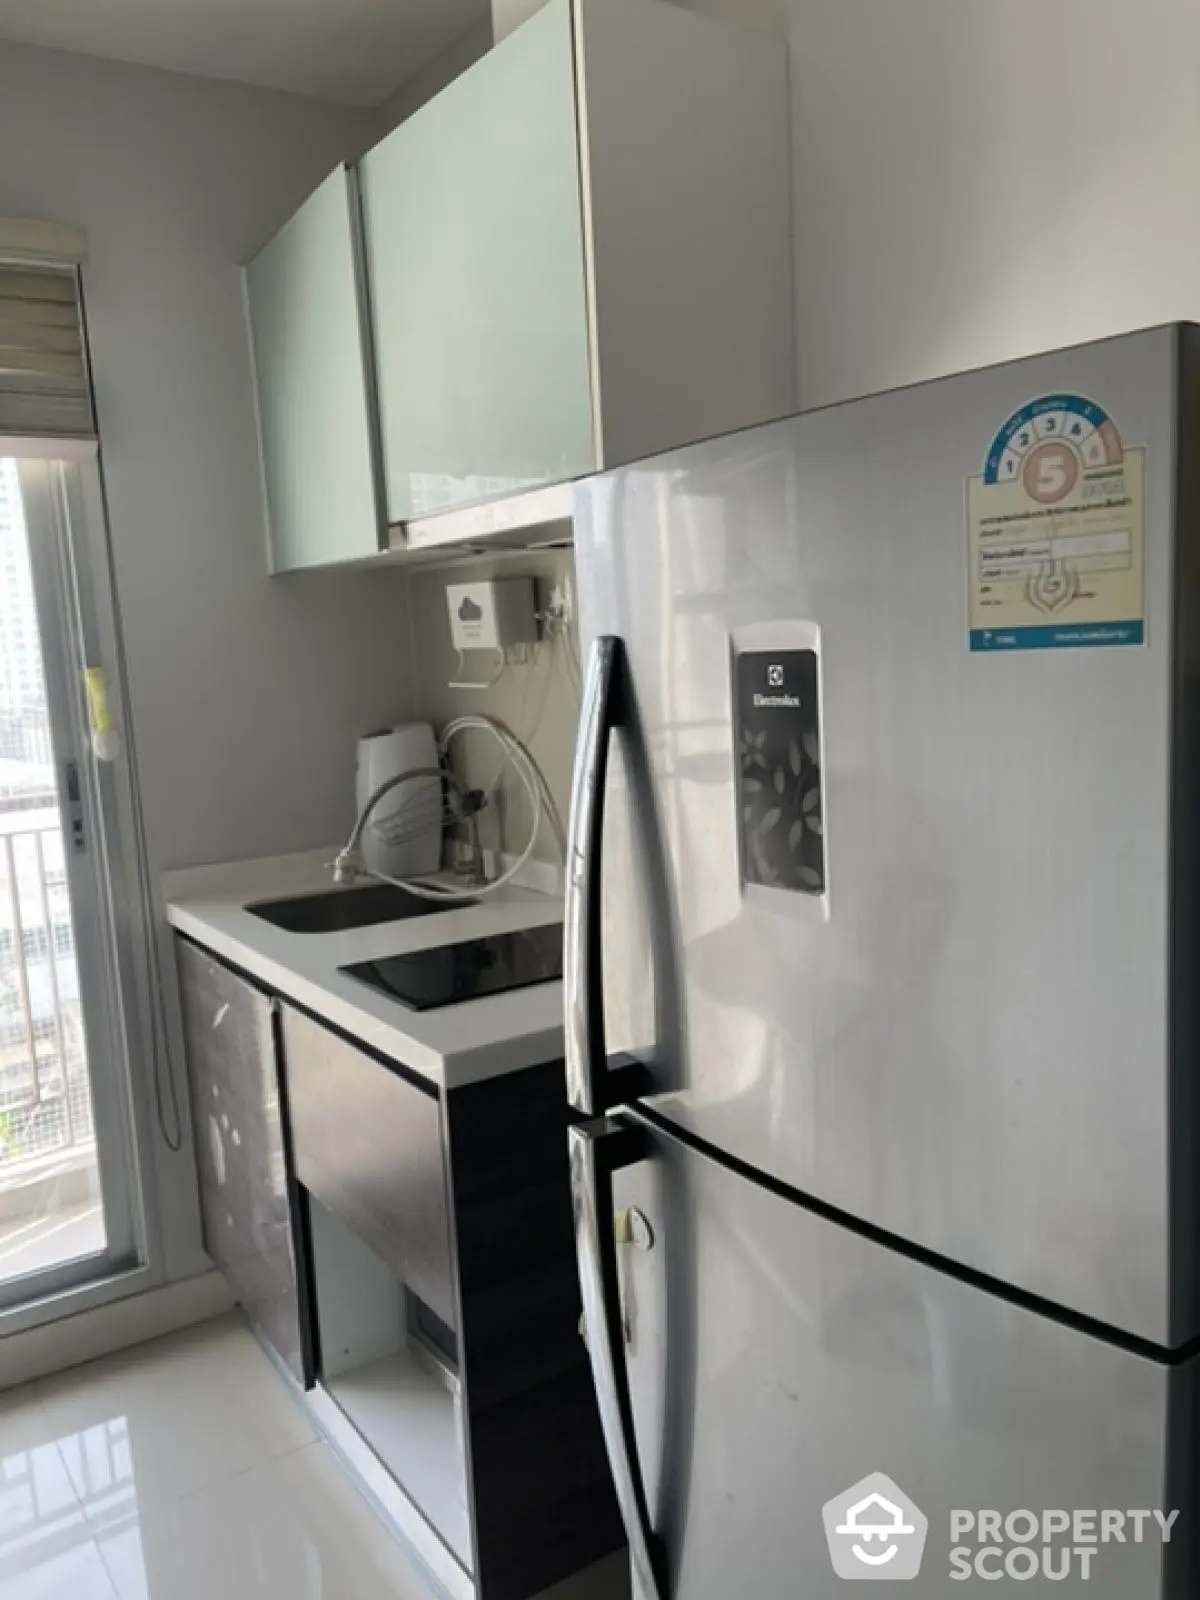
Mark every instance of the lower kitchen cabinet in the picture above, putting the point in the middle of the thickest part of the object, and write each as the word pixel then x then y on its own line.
pixel 439 1297
pixel 368 1145
pixel 238 1125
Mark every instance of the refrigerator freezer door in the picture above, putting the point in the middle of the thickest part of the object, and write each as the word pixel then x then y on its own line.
pixel 953 1020
pixel 777 1359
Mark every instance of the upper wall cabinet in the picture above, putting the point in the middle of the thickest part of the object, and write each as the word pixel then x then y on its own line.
pixel 471 213
pixel 580 253
pixel 316 412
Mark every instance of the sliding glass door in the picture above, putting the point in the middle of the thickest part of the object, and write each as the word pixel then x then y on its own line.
pixel 68 1178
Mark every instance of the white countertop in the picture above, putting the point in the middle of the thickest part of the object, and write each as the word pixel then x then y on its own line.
pixel 452 1046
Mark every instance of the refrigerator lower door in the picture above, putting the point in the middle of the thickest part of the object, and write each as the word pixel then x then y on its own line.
pixel 776 1360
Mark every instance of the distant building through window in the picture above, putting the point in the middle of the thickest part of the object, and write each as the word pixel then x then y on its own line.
pixel 46 1121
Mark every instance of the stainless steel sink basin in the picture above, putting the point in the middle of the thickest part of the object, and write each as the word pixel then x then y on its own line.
pixel 335 910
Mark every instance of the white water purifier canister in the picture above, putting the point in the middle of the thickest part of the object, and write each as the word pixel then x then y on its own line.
pixel 403 835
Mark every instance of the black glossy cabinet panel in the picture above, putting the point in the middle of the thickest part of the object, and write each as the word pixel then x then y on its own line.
pixel 543 1499
pixel 368 1144
pixel 239 1137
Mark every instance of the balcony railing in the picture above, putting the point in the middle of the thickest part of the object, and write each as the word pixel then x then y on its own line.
pixel 45 1098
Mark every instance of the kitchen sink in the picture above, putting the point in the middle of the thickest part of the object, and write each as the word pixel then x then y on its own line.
pixel 335 910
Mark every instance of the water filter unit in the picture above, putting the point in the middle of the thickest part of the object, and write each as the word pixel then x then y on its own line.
pixel 403 836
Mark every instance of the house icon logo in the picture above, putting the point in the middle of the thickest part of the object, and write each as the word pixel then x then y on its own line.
pixel 875 1531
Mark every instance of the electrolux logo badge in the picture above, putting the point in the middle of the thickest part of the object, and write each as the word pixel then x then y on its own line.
pixel 875 1531
pixel 775 680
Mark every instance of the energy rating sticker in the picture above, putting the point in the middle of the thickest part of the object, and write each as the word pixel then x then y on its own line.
pixel 1056 532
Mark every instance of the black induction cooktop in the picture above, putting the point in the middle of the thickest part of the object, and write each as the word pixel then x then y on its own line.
pixel 450 973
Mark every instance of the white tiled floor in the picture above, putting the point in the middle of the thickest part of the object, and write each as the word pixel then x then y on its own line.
pixel 179 1470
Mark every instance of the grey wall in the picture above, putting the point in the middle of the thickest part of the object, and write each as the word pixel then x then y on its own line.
pixel 541 692
pixel 510 14
pixel 262 684
pixel 975 183
pixel 434 76
pixel 247 693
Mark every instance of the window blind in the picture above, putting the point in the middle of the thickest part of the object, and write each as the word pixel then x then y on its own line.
pixel 44 383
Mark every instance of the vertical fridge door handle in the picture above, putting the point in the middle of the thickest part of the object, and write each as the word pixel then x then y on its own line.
pixel 585 1049
pixel 598 1149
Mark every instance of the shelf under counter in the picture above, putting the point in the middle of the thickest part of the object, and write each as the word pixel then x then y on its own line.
pixel 406 1410
pixel 413 1424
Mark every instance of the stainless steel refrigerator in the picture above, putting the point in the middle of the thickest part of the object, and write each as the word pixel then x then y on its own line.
pixel 881 985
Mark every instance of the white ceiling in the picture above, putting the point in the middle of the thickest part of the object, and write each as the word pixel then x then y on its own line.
pixel 356 52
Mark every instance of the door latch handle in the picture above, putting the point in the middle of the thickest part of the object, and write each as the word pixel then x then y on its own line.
pixel 633 1227
pixel 74 807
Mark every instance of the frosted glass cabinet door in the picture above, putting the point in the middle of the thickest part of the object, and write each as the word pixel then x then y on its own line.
pixel 309 345
pixel 474 250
